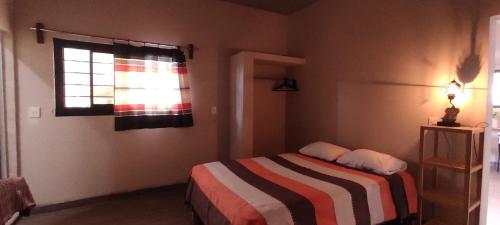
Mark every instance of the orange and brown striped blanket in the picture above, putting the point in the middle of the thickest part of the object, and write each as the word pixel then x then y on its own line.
pixel 293 189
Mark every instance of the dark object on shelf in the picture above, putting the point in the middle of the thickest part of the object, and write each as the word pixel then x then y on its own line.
pixel 285 85
pixel 448 124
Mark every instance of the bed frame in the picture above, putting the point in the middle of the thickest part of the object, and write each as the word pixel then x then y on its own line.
pixel 409 221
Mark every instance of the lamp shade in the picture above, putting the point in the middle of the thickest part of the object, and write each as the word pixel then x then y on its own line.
pixel 454 89
pixel 4 16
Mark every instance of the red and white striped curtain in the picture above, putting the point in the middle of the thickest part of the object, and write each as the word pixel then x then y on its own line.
pixel 151 88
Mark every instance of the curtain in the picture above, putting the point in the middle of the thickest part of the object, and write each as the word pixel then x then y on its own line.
pixel 151 88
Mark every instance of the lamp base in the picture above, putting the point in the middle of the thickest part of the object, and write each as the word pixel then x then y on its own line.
pixel 450 117
pixel 448 124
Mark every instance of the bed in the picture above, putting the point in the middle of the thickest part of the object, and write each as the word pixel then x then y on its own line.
pixel 294 189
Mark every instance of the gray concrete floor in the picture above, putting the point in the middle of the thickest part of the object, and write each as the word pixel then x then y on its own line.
pixel 160 208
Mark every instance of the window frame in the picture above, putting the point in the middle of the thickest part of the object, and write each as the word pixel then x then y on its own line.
pixel 94 109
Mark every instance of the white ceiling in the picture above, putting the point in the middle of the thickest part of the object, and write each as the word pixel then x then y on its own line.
pixel 278 6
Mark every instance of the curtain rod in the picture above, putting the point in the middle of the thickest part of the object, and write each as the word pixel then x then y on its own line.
pixel 40 29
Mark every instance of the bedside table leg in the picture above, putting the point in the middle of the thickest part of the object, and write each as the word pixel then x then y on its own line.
pixel 498 158
pixel 420 187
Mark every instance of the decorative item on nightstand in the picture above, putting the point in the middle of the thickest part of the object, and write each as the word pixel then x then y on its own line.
pixel 450 118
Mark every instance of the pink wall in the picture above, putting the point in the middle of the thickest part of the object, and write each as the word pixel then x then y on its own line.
pixel 373 68
pixel 78 157
pixel 4 16
pixel 371 71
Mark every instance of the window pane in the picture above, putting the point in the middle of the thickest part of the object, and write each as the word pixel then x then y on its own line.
pixel 103 100
pixel 104 80
pixel 77 90
pixel 77 102
pixel 76 78
pixel 103 68
pixel 79 67
pixel 496 89
pixel 104 91
pixel 76 54
pixel 102 57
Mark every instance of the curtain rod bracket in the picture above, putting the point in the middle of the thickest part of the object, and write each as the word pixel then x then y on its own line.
pixel 40 39
pixel 190 51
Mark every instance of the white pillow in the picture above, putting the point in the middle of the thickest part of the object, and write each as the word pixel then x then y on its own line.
pixel 323 150
pixel 371 160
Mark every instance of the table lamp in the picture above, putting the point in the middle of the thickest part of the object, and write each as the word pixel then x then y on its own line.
pixel 449 119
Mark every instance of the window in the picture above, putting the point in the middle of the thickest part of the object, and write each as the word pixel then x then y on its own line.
pixel 496 89
pixel 84 78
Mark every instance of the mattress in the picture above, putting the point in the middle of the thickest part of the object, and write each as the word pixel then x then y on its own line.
pixel 293 189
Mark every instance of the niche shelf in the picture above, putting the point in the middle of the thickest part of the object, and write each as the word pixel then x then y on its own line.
pixel 241 103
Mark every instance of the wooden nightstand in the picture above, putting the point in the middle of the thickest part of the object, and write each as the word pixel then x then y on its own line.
pixel 464 201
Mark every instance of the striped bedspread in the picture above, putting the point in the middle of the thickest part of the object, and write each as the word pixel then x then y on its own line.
pixel 293 189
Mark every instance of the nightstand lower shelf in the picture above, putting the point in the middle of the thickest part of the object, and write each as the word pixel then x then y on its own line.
pixel 435 222
pixel 444 163
pixel 450 200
